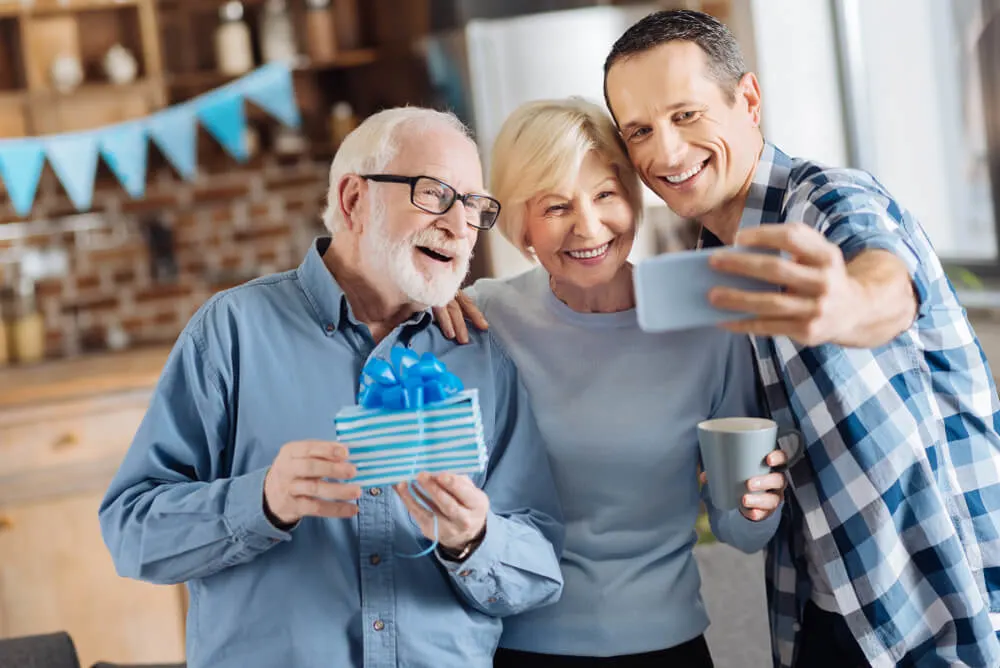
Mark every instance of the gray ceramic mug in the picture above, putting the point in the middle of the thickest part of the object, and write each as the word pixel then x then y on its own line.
pixel 733 451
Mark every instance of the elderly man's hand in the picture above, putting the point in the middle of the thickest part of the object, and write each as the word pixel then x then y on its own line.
pixel 821 300
pixel 460 507
pixel 297 484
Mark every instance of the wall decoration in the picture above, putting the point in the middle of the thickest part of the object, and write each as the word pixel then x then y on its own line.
pixel 124 148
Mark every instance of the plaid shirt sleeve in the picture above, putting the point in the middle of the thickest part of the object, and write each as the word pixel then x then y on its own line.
pixel 852 211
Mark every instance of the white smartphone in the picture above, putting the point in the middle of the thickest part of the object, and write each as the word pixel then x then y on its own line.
pixel 671 290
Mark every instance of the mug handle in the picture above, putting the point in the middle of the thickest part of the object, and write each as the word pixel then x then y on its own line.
pixel 796 455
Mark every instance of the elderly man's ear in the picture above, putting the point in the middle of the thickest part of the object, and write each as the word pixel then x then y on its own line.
pixel 350 193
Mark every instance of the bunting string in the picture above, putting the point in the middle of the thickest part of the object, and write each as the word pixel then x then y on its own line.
pixel 124 147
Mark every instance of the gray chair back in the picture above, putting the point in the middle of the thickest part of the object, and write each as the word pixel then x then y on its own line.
pixel 104 664
pixel 53 650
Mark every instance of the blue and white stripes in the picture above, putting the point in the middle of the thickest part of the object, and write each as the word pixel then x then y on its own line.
pixel 390 446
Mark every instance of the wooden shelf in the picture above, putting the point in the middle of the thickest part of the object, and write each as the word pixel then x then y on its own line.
pixel 33 33
pixel 88 89
pixel 93 89
pixel 202 4
pixel 355 58
pixel 212 79
pixel 48 7
pixel 90 106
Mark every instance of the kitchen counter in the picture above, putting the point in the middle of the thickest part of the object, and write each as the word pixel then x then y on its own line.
pixel 86 376
pixel 65 426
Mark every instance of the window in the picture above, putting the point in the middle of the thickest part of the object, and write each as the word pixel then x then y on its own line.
pixel 922 98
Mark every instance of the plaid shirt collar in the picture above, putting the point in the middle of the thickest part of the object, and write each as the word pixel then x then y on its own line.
pixel 765 196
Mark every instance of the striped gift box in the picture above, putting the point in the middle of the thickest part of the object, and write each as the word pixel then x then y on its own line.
pixel 391 446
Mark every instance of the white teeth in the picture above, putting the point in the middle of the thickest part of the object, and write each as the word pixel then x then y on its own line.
pixel 594 252
pixel 684 176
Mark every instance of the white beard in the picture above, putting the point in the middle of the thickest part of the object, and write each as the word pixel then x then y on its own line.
pixel 394 259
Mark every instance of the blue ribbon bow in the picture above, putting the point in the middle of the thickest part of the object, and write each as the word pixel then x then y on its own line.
pixel 411 381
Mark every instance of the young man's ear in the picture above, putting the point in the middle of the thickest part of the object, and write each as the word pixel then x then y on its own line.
pixel 748 93
pixel 350 191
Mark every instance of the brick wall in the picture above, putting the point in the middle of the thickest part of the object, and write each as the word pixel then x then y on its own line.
pixel 230 224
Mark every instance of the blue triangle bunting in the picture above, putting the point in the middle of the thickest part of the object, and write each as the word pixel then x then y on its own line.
pixel 74 159
pixel 271 89
pixel 124 147
pixel 224 117
pixel 125 150
pixel 21 163
pixel 175 133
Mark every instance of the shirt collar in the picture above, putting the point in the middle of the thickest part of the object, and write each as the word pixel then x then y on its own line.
pixel 325 295
pixel 766 196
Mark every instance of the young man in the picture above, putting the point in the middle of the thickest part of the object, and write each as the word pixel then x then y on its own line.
pixel 233 486
pixel 888 552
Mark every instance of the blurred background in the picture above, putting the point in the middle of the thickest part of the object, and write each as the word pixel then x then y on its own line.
pixel 97 282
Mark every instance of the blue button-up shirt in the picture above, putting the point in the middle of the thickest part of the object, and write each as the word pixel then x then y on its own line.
pixel 271 362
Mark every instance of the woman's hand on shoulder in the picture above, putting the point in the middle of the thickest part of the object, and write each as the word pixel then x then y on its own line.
pixel 451 317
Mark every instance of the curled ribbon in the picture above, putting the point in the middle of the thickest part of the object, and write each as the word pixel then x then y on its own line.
pixel 411 381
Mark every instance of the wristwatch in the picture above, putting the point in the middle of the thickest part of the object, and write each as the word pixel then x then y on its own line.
pixel 463 554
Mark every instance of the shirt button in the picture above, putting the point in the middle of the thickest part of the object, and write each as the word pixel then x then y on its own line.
pixel 375 491
pixel 330 328
pixel 491 599
pixel 379 625
pixel 796 627
pixel 375 560
pixel 465 574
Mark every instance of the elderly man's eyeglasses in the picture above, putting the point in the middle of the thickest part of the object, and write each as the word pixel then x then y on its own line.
pixel 437 197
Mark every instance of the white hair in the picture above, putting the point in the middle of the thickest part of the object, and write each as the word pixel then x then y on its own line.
pixel 371 146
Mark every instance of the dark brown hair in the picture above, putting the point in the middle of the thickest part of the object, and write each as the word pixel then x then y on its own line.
pixel 725 60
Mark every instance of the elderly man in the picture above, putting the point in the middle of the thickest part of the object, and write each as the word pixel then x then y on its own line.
pixel 234 486
pixel 888 552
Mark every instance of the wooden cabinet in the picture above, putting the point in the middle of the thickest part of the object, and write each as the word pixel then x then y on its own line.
pixel 55 574
pixel 34 35
pixel 59 447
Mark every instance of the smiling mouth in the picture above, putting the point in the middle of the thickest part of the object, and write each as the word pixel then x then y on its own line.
pixel 685 176
pixel 589 253
pixel 435 255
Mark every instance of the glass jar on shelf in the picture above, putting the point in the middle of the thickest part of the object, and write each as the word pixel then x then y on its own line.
pixel 277 35
pixel 342 123
pixel 348 24
pixel 233 49
pixel 321 31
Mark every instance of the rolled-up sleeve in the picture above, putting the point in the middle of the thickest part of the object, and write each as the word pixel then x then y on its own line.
pixel 516 568
pixel 171 514
pixel 856 216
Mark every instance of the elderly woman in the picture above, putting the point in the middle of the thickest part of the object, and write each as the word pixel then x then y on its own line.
pixel 618 407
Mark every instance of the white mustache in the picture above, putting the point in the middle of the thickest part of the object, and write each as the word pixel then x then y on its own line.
pixel 439 240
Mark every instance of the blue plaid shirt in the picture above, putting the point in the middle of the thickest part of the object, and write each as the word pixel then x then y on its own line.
pixel 900 486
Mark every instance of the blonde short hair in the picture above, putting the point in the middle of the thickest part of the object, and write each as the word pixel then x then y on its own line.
pixel 541 145
pixel 372 145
